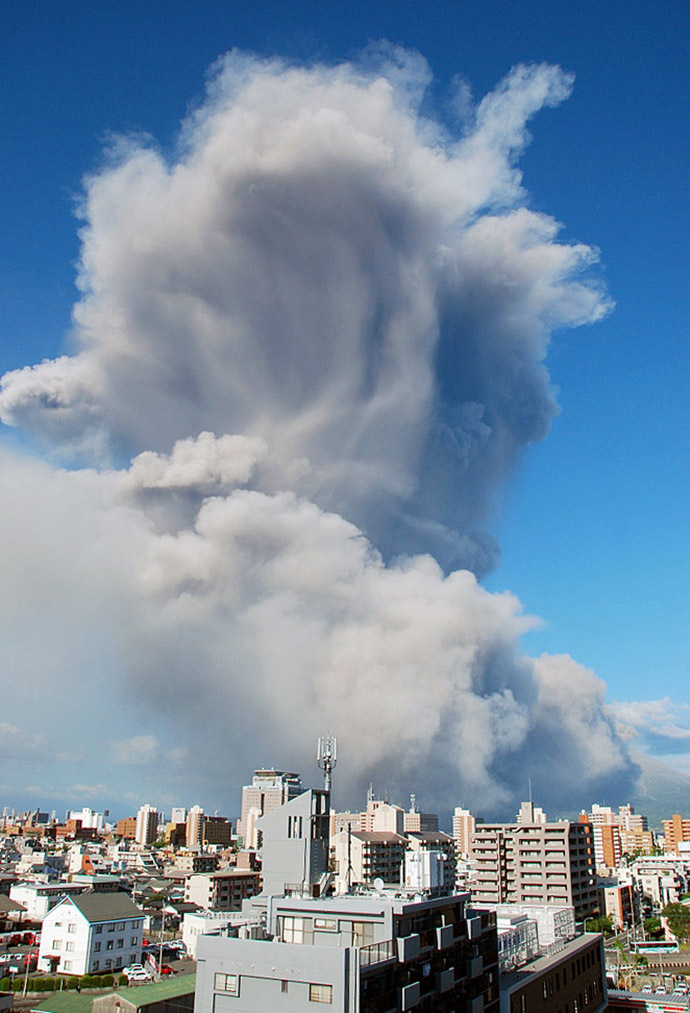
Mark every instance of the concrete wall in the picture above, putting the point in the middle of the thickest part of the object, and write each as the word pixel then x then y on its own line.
pixel 263 966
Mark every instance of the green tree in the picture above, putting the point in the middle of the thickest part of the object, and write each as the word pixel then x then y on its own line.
pixel 602 924
pixel 678 916
pixel 652 927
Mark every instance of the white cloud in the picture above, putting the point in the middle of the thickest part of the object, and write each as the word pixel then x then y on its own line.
pixel 138 751
pixel 319 332
pixel 660 719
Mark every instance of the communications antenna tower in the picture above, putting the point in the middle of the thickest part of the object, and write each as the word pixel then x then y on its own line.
pixel 327 757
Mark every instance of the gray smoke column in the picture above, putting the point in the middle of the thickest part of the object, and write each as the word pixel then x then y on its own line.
pixel 318 333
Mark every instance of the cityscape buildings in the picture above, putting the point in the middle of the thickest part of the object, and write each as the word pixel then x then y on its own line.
pixel 354 910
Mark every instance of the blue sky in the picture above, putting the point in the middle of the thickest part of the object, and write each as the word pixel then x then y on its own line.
pixel 593 524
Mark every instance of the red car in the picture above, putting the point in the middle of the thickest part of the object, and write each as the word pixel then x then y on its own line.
pixel 166 969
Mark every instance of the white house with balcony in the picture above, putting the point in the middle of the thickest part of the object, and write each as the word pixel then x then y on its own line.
pixel 94 933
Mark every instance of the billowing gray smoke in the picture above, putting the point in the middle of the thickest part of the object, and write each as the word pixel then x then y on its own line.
pixel 319 331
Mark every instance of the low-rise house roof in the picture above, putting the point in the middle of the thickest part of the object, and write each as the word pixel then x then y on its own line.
pixel 106 907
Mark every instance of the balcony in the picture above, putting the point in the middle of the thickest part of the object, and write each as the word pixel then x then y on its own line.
pixel 410 996
pixel 475 966
pixel 474 927
pixel 377 953
pixel 444 937
pixel 445 980
pixel 408 948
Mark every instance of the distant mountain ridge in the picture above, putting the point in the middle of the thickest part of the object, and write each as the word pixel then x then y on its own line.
pixel 660 790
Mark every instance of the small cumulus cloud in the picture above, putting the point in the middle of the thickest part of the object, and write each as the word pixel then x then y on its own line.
pixel 138 751
pixel 660 726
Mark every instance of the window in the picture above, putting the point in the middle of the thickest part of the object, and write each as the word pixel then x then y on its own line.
pixel 135 940
pixel 111 927
pixel 321 993
pixel 67 965
pixel 69 946
pixel 229 983
pixel 363 933
pixel 72 927
pixel 293 930
pixel 120 926
pixel 96 947
pixel 57 943
pixel 98 929
pixel 283 986
pixel 136 925
pixel 108 964
pixel 325 923
pixel 94 965
pixel 120 944
pixel 109 945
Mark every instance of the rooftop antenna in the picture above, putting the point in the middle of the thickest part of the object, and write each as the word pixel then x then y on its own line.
pixel 327 757
pixel 413 802
pixel 531 800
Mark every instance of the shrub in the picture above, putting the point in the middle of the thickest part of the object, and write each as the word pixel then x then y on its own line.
pixel 18 983
pixel 49 984
pixel 122 979
pixel 86 981
pixel 4 984
pixel 108 980
pixel 96 981
pixel 73 984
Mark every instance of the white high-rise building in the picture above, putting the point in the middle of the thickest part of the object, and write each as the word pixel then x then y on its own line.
pixel 89 819
pixel 269 789
pixel 463 828
pixel 195 822
pixel 147 825
pixel 178 814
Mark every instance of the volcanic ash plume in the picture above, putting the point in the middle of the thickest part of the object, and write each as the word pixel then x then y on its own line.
pixel 318 333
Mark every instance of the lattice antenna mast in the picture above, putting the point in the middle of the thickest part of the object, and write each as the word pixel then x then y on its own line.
pixel 327 757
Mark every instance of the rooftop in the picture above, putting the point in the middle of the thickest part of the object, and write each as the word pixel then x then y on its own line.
pixel 105 907
pixel 541 964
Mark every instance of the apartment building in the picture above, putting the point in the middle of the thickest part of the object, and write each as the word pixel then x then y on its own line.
pixel 192 861
pixel 676 832
pixel 573 978
pixel 127 828
pixel 535 863
pixel 40 898
pixel 147 825
pixel 216 830
pixel 661 879
pixel 463 828
pixel 269 789
pixel 416 822
pixel 94 932
pixel 355 953
pixel 360 857
pixel 223 890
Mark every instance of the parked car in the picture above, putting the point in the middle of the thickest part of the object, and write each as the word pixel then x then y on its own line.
pixel 132 969
pixel 166 969
pixel 139 976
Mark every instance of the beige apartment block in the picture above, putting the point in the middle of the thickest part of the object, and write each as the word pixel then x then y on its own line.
pixel 535 863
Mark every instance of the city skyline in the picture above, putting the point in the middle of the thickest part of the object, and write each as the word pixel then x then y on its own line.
pixel 165 619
